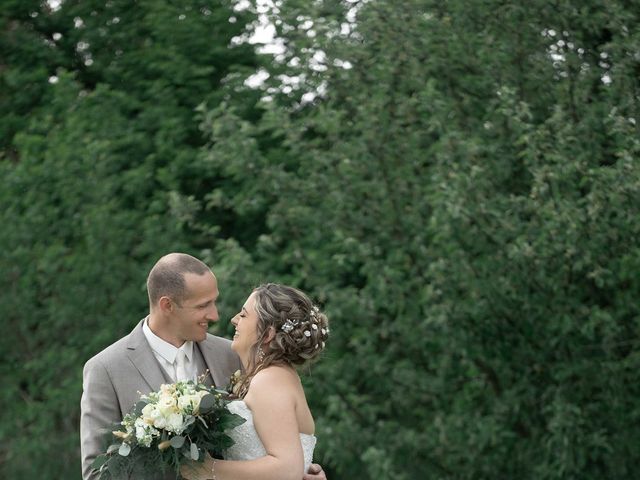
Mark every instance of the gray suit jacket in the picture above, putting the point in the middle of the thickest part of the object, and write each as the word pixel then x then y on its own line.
pixel 114 379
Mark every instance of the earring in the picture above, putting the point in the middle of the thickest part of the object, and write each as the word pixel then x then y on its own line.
pixel 260 354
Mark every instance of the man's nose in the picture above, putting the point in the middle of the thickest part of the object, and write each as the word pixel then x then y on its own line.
pixel 213 315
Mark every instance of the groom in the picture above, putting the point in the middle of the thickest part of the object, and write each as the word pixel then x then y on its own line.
pixel 170 344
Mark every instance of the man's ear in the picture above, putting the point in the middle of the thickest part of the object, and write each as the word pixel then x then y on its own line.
pixel 165 304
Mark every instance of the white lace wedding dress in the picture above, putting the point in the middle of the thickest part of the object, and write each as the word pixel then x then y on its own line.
pixel 247 444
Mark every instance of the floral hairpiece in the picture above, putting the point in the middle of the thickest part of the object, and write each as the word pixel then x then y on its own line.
pixel 289 325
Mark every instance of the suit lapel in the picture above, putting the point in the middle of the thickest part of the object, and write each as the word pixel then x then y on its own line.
pixel 142 357
pixel 209 354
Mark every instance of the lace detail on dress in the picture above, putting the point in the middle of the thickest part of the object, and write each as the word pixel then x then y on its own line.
pixel 247 444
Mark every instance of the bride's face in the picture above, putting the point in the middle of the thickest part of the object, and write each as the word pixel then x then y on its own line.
pixel 246 335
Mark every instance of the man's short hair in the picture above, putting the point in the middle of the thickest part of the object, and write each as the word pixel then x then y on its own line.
pixel 166 278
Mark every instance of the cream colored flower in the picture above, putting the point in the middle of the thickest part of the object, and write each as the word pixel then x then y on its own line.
pixel 186 401
pixel 153 417
pixel 175 423
pixel 167 405
pixel 167 389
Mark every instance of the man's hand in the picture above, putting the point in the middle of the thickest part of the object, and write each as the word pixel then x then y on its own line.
pixel 315 472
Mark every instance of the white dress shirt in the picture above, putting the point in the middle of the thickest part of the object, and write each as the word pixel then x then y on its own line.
pixel 167 353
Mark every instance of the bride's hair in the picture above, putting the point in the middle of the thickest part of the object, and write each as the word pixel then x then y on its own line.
pixel 300 328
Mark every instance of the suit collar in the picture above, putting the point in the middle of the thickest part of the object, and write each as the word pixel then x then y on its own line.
pixel 142 357
pixel 164 348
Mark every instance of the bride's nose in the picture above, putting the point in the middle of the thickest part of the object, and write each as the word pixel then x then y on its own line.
pixel 234 320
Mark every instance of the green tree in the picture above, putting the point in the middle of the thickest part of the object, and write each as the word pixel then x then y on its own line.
pixel 99 159
pixel 463 199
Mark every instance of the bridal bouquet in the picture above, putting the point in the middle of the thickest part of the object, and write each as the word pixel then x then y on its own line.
pixel 179 423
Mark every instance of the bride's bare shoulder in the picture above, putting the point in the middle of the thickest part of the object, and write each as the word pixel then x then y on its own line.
pixel 277 374
pixel 274 379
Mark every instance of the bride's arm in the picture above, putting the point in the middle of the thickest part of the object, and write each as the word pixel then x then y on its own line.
pixel 272 401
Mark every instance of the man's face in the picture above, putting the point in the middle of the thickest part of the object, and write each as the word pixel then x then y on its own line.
pixel 191 317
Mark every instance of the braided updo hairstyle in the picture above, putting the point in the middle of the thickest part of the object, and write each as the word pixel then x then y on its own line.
pixel 300 328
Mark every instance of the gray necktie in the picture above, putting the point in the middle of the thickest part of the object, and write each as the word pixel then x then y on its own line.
pixel 181 366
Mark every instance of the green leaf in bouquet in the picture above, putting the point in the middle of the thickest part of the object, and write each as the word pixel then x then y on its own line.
pixel 189 421
pixel 124 449
pixel 177 441
pixel 230 420
pixel 137 409
pixel 203 421
pixel 99 461
pixel 207 403
pixel 224 442
pixel 195 454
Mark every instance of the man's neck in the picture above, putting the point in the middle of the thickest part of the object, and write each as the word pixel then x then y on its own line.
pixel 159 328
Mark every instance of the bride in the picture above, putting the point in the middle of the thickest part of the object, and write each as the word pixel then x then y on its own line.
pixel 277 328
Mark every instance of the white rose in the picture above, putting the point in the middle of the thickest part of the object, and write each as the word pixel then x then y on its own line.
pixel 160 422
pixel 175 423
pixel 155 418
pixel 149 412
pixel 195 399
pixel 167 405
pixel 184 402
pixel 189 400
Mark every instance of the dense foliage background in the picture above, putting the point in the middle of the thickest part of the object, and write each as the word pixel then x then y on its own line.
pixel 457 183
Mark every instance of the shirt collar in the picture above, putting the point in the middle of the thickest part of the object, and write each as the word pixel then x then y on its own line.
pixel 164 348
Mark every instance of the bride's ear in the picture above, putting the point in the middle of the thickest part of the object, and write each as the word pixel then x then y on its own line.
pixel 270 335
